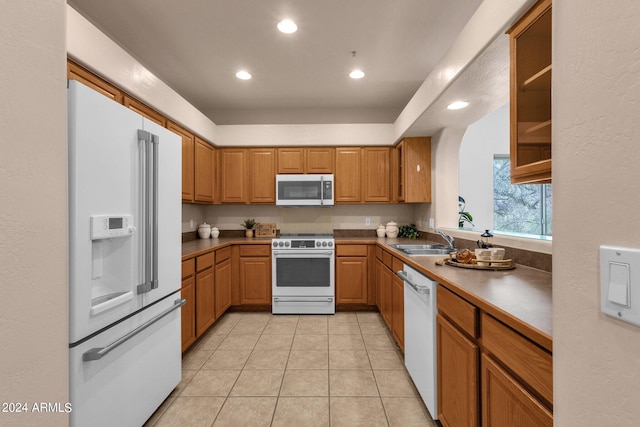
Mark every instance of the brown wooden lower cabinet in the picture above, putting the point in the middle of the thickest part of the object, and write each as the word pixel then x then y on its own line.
pixel 351 274
pixel 458 372
pixel 506 403
pixel 188 311
pixel 397 309
pixel 255 274
pixel 205 293
pixel 222 281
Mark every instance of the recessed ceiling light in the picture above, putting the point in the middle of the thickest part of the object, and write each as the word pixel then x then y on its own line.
pixel 457 105
pixel 243 75
pixel 287 26
pixel 356 74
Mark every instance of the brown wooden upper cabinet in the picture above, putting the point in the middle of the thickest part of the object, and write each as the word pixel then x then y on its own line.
pixel 204 171
pixel 348 175
pixel 144 110
pixel 262 172
pixel 305 160
pixel 375 178
pixel 76 72
pixel 530 55
pixel 234 175
pixel 188 157
pixel 411 170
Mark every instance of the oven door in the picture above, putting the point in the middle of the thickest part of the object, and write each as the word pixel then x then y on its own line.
pixel 303 273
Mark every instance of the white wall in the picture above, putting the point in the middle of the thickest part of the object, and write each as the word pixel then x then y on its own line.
pixel 596 158
pixel 34 329
pixel 483 139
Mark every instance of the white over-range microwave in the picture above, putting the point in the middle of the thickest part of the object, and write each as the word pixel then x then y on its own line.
pixel 304 190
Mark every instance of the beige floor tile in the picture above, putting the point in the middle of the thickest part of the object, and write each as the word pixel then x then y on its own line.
pixel 349 359
pixel 305 382
pixel 357 412
pixel 395 384
pixel 407 411
pixel 308 359
pixel 368 316
pixel 313 318
pixel 386 359
pixel 260 382
pixel 239 342
pixel 280 328
pixel 343 328
pixel 247 328
pixel 352 382
pixel 160 411
pixel 343 317
pixel 373 328
pixel 187 375
pixel 302 411
pixel 377 342
pixel 191 411
pixel 210 342
pixel 346 342
pixel 284 318
pixel 319 328
pixel 274 342
pixel 310 342
pixel 227 359
pixel 195 359
pixel 211 383
pixel 223 326
pixel 246 412
pixel 268 359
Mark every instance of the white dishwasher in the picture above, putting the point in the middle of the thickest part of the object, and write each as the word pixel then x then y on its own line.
pixel 420 334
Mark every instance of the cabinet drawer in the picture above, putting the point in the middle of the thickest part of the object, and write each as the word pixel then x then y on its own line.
pixel 398 265
pixel 459 311
pixel 255 250
pixel 188 267
pixel 387 259
pixel 526 360
pixel 379 252
pixel 204 261
pixel 223 254
pixel 351 250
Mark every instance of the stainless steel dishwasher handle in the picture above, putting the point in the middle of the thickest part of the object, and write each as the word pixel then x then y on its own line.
pixel 99 352
pixel 419 289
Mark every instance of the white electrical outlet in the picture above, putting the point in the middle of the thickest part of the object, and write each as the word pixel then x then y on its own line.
pixel 367 221
pixel 191 224
pixel 432 223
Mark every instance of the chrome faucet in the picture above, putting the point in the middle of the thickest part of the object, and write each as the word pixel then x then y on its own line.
pixel 446 237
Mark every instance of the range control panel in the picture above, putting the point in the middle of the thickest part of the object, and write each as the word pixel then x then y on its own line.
pixel 302 243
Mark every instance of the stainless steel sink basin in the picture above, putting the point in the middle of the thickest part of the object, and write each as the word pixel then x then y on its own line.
pixel 417 250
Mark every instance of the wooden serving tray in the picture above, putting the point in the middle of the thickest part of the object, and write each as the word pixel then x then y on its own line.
pixel 266 230
pixel 505 264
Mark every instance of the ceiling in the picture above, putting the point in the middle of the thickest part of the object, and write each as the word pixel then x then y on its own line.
pixel 196 48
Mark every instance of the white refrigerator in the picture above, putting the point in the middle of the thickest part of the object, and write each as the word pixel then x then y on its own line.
pixel 124 261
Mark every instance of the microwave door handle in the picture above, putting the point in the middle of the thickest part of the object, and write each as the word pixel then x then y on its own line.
pixel 322 190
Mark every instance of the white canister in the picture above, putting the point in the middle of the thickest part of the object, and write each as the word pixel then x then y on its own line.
pixel 204 230
pixel 381 230
pixel 215 232
pixel 392 229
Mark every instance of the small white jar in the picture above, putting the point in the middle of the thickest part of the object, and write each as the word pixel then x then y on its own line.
pixel 204 230
pixel 380 231
pixel 392 229
pixel 215 232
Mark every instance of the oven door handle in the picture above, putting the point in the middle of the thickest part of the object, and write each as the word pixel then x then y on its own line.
pixel 298 254
pixel 277 299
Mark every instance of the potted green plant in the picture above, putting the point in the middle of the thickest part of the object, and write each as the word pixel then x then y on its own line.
pixel 463 215
pixel 248 224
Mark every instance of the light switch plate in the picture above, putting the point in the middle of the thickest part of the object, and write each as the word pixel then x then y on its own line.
pixel 620 283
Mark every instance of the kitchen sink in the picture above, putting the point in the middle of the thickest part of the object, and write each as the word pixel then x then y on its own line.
pixel 417 250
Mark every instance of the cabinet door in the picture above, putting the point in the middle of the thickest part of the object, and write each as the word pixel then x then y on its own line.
pixel 505 403
pixel 204 171
pixel 188 313
pixel 397 311
pixel 375 178
pixel 458 367
pixel 263 175
pixel 319 160
pixel 223 287
pixel 234 175
pixel 379 268
pixel 348 175
pixel 351 280
pixel 255 280
pixel 144 110
pixel 397 173
pixel 205 301
pixel 76 72
pixel 416 169
pixel 387 296
pixel 188 149
pixel 291 160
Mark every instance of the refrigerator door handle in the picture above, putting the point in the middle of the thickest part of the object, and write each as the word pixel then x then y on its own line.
pixel 100 352
pixel 156 155
pixel 149 210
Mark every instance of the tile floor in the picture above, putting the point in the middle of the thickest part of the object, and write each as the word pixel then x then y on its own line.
pixel 257 369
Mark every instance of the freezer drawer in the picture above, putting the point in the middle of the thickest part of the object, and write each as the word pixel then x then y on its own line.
pixel 127 384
